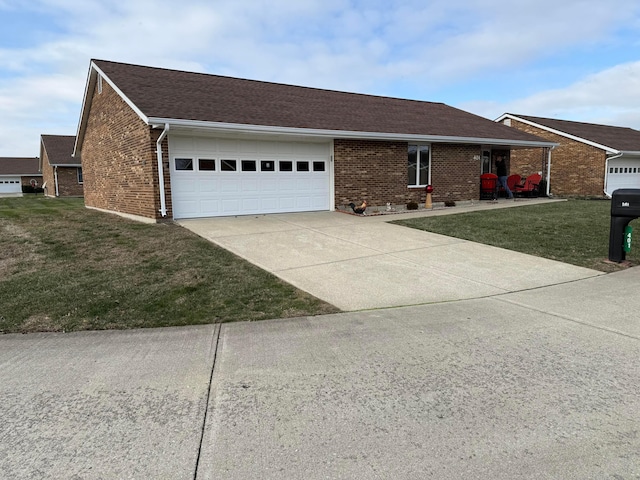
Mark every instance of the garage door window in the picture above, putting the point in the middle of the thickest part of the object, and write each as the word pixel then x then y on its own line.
pixel 286 166
pixel 206 165
pixel 184 163
pixel 228 165
pixel 302 166
pixel 249 166
pixel 318 166
pixel 267 166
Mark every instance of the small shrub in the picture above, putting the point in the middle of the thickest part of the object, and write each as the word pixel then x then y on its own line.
pixel 412 206
pixel 449 203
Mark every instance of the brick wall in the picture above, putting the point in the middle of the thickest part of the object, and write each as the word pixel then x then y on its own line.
pixel 376 171
pixel 118 158
pixel 370 170
pixel 47 173
pixel 68 185
pixel 455 174
pixel 26 180
pixel 576 168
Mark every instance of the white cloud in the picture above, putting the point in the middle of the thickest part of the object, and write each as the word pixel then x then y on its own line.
pixel 372 46
pixel 609 97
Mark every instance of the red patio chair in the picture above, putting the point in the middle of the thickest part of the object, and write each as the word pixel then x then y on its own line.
pixel 488 186
pixel 513 180
pixel 529 187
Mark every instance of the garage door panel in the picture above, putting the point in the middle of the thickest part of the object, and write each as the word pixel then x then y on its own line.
pixel 250 185
pixel 10 185
pixel 269 204
pixel 269 185
pixel 208 185
pixel 623 173
pixel 210 206
pixel 230 185
pixel 214 192
pixel 231 206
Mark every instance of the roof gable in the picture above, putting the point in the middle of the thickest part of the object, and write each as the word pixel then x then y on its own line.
pixel 161 95
pixel 19 166
pixel 620 139
pixel 59 149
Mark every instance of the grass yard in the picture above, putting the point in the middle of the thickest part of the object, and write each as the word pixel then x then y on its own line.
pixel 575 231
pixel 64 267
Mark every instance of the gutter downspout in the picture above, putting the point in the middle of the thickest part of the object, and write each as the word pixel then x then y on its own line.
pixel 606 172
pixel 163 202
pixel 55 177
pixel 549 171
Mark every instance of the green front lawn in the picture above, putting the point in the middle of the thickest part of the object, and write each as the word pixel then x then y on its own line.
pixel 575 231
pixel 64 267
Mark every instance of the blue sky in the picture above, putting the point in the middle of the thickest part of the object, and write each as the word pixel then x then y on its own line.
pixel 574 60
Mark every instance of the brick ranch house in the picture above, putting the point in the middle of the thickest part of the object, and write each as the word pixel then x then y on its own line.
pixel 160 144
pixel 590 159
pixel 18 172
pixel 61 173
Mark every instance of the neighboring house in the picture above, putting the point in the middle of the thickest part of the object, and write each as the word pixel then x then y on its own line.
pixel 16 173
pixel 590 160
pixel 61 173
pixel 158 143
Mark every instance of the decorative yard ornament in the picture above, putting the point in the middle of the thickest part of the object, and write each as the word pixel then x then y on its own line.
pixel 428 203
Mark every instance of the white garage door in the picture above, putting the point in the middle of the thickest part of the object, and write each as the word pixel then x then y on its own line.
pixel 221 177
pixel 623 173
pixel 10 185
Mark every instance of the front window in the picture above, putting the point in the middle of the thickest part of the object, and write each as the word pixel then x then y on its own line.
pixel 80 175
pixel 418 165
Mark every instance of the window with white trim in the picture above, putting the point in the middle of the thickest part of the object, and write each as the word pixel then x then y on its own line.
pixel 79 171
pixel 418 162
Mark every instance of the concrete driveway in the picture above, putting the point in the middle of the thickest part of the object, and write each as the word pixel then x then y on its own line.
pixel 358 263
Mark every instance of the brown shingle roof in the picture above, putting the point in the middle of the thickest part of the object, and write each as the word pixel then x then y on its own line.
pixel 59 149
pixel 172 94
pixel 617 138
pixel 19 166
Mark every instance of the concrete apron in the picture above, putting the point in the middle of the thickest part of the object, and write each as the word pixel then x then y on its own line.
pixel 357 263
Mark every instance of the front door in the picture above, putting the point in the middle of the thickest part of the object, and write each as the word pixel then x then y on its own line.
pixel 486 161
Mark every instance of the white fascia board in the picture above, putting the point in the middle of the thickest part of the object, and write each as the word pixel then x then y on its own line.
pixel 631 154
pixel 219 127
pixel 69 165
pixel 132 105
pixel 84 109
pixel 94 71
pixel 562 134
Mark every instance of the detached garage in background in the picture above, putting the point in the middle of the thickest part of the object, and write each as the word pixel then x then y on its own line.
pixel 160 144
pixel 590 159
pixel 16 173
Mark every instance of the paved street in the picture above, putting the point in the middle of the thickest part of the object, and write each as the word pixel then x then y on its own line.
pixel 535 384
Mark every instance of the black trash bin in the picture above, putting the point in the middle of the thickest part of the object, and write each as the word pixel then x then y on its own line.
pixel 625 206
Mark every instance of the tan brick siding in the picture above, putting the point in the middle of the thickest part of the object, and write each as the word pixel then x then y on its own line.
pixel 455 173
pixel 47 174
pixel 24 181
pixel 118 158
pixel 376 171
pixel 370 170
pixel 68 185
pixel 576 168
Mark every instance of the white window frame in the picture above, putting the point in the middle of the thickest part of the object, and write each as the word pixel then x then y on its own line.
pixel 418 146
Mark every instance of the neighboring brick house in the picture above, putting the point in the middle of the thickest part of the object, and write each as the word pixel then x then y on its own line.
pixel 158 143
pixel 590 159
pixel 61 173
pixel 18 174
